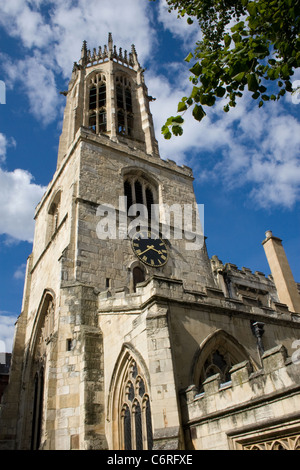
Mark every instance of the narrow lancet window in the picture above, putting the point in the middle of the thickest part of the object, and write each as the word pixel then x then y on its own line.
pixel 125 120
pixel 97 121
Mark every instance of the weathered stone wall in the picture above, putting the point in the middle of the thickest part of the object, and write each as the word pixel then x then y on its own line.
pixel 253 409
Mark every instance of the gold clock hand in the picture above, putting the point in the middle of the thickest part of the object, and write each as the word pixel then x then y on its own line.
pixel 149 247
pixel 158 251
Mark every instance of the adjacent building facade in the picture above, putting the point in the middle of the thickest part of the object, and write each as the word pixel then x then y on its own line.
pixel 127 342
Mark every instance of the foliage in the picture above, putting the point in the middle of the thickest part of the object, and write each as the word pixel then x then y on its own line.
pixel 246 45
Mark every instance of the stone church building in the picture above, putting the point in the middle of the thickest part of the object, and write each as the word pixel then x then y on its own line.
pixel 127 342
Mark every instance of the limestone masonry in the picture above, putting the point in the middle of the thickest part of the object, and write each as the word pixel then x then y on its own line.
pixel 158 347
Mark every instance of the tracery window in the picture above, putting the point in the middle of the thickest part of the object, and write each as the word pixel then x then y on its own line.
pixel 217 355
pixel 97 103
pixel 124 106
pixel 135 413
pixel 217 363
pixel 282 443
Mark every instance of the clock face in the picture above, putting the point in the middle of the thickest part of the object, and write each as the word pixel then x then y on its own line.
pixel 151 251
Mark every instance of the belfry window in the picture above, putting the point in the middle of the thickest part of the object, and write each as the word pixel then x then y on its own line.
pixel 124 106
pixel 135 413
pixel 139 191
pixel 97 104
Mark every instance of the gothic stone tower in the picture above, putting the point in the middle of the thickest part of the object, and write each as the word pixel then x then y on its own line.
pixel 119 341
pixel 92 346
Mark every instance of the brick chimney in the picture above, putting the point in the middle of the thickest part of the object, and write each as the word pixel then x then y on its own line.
pixel 283 278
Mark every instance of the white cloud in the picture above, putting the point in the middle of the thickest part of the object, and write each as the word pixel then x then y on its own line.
pixel 7 329
pixel 37 77
pixel 3 145
pixel 128 21
pixel 246 145
pixel 179 27
pixel 19 197
pixel 5 142
pixel 24 22
pixel 56 39
pixel 20 272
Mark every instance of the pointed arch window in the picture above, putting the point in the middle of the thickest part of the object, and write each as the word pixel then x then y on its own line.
pixel 125 120
pixel 39 370
pixel 135 413
pixel 97 103
pixel 219 353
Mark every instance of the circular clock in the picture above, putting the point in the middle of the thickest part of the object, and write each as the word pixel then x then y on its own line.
pixel 151 251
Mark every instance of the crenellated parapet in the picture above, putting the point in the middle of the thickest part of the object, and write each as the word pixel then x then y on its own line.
pixel 109 52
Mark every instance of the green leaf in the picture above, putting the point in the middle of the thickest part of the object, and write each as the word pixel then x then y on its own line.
pixel 220 92
pixel 177 130
pixel 196 69
pixel 166 133
pixel 178 120
pixel 238 27
pixel 198 112
pixel 227 40
pixel 189 57
pixel 236 37
pixel 252 82
pixel 252 8
pixel 181 106
pixel 239 77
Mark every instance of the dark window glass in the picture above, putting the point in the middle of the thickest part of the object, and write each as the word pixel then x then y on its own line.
pixel 102 121
pixel 93 98
pixel 149 201
pixel 102 96
pixel 149 426
pixel 141 388
pixel 128 100
pixel 127 429
pixel 138 276
pixel 121 122
pixel 130 392
pixel 92 122
pixel 138 427
pixel 37 416
pixel 120 103
pixel 134 370
pixel 128 193
pixel 138 193
pixel 129 124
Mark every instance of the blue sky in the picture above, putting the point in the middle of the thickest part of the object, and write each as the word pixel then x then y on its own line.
pixel 246 163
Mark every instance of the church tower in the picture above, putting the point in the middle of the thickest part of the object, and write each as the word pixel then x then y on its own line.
pixel 129 336
pixel 92 364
